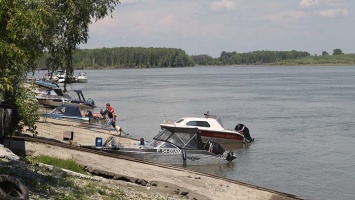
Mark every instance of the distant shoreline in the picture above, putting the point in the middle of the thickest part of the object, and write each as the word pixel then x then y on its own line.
pixel 253 65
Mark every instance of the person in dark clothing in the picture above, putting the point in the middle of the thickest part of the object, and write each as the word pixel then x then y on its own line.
pixel 241 128
pixel 141 141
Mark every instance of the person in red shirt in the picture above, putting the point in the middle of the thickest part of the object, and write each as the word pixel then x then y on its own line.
pixel 111 118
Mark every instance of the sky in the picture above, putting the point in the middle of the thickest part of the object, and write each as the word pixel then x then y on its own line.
pixel 213 26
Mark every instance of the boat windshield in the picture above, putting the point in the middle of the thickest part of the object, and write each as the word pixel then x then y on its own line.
pixel 182 138
pixel 160 144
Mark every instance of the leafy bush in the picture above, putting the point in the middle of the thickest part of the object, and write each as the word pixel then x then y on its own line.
pixel 28 108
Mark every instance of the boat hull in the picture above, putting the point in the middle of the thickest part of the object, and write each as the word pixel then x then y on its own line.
pixel 221 136
pixel 80 104
pixel 81 80
pixel 173 157
pixel 60 116
pixel 224 137
pixel 53 103
pixel 45 84
pixel 174 146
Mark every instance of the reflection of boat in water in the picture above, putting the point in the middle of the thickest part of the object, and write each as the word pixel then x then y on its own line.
pixel 82 78
pixel 177 146
pixel 211 128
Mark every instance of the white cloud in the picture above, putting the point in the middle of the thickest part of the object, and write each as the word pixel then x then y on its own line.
pixel 336 3
pixel 223 4
pixel 326 8
pixel 212 26
pixel 323 3
pixel 286 16
pixel 167 21
pixel 333 12
pixel 129 1
pixel 309 3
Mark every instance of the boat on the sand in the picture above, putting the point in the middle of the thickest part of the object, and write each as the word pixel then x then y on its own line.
pixel 173 145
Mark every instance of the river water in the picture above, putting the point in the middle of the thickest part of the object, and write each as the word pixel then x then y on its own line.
pixel 302 118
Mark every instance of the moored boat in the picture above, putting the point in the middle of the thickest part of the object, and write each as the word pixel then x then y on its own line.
pixel 56 97
pixel 46 84
pixel 82 78
pixel 59 77
pixel 211 128
pixel 67 112
pixel 173 145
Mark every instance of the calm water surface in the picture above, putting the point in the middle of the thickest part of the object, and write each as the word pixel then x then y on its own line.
pixel 302 118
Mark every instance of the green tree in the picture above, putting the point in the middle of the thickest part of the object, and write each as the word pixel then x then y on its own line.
pixel 337 52
pixel 22 23
pixel 324 53
pixel 29 27
pixel 202 59
pixel 72 28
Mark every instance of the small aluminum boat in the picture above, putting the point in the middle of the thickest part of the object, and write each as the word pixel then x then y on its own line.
pixel 175 146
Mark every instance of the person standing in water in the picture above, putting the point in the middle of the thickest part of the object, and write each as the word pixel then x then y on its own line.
pixel 111 119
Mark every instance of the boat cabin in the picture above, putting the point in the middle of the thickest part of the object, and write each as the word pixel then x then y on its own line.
pixel 212 122
pixel 182 138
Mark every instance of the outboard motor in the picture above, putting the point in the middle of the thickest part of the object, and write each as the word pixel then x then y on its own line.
pixel 103 111
pixel 217 149
pixel 88 114
pixel 245 131
pixel 230 156
pixel 214 147
pixel 91 101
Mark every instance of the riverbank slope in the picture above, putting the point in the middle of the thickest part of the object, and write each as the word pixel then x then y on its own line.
pixel 170 182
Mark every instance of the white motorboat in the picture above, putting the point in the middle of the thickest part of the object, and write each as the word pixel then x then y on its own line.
pixel 211 128
pixel 60 74
pixel 59 77
pixel 82 78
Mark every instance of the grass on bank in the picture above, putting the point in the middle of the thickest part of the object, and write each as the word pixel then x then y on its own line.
pixel 45 183
pixel 52 183
pixel 344 59
pixel 58 162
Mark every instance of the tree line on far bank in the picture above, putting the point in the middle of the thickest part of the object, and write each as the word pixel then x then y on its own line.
pixel 277 58
pixel 127 57
pixel 342 59
pixel 250 58
pixel 140 57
